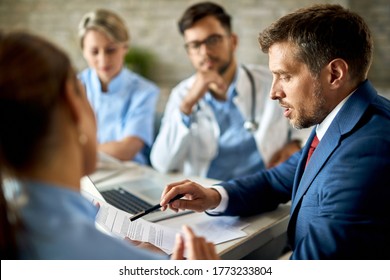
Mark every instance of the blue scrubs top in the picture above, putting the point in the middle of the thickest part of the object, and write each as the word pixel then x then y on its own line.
pixel 126 109
pixel 237 150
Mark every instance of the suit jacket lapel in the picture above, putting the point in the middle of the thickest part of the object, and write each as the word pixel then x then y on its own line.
pixel 301 164
pixel 321 154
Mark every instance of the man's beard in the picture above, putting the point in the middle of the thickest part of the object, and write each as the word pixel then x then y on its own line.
pixel 313 116
pixel 225 67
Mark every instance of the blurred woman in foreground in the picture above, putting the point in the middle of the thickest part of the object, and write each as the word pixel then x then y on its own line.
pixel 47 143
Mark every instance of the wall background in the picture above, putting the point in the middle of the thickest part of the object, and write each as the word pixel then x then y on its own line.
pixel 153 26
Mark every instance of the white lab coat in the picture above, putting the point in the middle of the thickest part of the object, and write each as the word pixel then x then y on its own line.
pixel 191 150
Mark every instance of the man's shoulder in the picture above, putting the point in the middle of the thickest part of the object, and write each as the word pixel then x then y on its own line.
pixel 383 105
pixel 260 75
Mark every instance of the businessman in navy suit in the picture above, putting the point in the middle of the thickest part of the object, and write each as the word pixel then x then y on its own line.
pixel 319 57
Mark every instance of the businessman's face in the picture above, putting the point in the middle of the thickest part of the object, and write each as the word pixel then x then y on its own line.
pixel 209 46
pixel 298 91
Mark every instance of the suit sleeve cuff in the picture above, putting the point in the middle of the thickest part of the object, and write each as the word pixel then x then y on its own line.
pixel 224 201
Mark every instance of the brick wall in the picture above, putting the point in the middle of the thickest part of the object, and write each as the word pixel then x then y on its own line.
pixel 153 26
pixel 377 15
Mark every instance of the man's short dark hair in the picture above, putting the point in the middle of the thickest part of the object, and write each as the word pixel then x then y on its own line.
pixel 201 10
pixel 323 33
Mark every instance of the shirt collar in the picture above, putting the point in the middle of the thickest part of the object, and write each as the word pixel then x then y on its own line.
pixel 324 125
pixel 114 85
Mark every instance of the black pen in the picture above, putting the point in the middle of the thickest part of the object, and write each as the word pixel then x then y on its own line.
pixel 153 208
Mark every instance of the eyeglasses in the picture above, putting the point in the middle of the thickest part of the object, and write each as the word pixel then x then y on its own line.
pixel 210 42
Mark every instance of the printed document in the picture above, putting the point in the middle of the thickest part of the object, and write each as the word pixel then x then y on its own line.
pixel 162 235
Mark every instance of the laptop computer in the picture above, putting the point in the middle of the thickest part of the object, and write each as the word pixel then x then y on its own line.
pixel 132 196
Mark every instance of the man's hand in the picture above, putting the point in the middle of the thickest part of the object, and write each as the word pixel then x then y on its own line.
pixel 204 81
pixel 197 198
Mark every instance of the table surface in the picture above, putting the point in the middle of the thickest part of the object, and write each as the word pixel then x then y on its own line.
pixel 262 228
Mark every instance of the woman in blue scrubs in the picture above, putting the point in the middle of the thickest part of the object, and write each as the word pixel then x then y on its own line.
pixel 123 101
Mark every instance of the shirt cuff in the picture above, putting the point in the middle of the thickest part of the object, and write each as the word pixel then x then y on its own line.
pixel 224 201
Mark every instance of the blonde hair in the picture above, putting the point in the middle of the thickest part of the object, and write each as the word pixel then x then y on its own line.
pixel 104 21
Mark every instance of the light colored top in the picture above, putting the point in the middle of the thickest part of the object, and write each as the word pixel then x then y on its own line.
pixel 126 109
pixel 213 142
pixel 60 224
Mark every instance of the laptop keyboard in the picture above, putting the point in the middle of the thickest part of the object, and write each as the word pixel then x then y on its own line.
pixel 125 201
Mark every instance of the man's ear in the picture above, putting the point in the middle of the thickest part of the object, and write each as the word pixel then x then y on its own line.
pixel 338 72
pixel 234 41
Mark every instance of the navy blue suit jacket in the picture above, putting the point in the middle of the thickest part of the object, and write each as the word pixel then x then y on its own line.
pixel 340 201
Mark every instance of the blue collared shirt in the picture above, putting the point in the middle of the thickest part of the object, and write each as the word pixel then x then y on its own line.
pixel 59 223
pixel 126 109
pixel 237 151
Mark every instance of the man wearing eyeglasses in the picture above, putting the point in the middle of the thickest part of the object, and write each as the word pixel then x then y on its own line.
pixel 220 122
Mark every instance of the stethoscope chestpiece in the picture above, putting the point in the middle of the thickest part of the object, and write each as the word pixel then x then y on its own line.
pixel 251 126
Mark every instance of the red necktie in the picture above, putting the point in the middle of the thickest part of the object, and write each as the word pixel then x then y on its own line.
pixel 313 146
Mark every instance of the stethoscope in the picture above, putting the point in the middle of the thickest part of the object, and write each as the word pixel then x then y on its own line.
pixel 251 125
